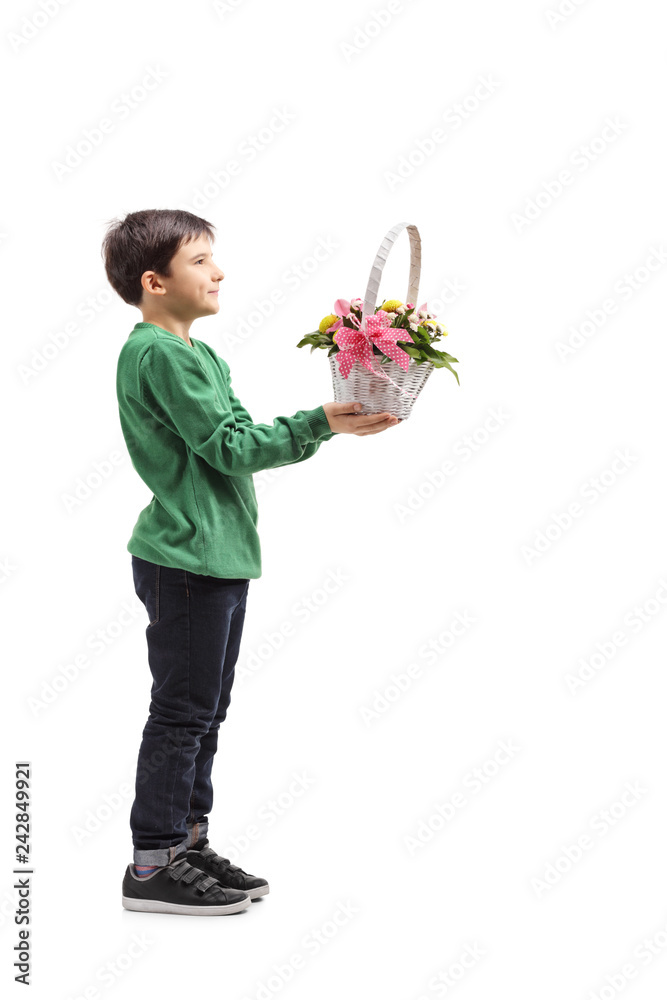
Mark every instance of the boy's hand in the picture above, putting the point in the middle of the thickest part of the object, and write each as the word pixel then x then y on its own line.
pixel 344 419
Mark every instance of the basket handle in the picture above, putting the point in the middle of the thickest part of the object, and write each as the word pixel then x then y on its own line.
pixel 381 259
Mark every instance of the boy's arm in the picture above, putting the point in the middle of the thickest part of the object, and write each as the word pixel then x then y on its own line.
pixel 177 391
pixel 243 418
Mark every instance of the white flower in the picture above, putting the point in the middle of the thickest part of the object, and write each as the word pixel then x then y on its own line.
pixel 423 314
pixel 401 310
pixel 414 326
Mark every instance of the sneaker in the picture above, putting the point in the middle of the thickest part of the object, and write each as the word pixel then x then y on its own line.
pixel 202 856
pixel 180 888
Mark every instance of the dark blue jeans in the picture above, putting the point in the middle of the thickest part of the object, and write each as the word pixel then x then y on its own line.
pixel 193 635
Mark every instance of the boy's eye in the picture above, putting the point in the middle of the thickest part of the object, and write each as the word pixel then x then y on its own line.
pixel 199 261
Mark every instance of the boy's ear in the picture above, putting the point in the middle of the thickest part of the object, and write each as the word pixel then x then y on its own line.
pixel 152 284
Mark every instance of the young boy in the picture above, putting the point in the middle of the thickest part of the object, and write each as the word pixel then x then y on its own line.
pixel 194 548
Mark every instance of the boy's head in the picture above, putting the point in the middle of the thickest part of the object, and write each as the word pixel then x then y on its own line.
pixel 160 260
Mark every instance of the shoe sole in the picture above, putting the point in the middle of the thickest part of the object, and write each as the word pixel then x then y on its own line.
pixel 159 906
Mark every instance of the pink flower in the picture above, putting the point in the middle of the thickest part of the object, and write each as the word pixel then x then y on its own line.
pixel 341 307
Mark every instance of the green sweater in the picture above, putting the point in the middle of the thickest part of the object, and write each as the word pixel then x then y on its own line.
pixel 196 448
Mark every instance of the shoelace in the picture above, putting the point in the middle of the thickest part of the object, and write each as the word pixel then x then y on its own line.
pixel 188 873
pixel 221 864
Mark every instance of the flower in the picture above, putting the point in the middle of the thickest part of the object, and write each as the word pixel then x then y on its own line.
pixel 343 311
pixel 350 336
pixel 341 307
pixel 327 322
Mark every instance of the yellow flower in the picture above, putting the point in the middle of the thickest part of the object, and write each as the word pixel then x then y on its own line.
pixel 327 322
pixel 391 305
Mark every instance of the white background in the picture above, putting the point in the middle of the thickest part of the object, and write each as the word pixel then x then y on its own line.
pixel 363 98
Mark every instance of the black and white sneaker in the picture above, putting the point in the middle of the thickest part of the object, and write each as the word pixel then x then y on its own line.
pixel 180 888
pixel 230 876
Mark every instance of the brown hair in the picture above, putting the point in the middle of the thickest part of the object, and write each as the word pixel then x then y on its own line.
pixel 147 241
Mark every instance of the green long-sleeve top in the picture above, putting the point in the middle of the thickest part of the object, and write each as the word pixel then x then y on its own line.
pixel 196 448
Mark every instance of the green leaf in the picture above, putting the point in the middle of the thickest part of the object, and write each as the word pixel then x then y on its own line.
pixel 455 374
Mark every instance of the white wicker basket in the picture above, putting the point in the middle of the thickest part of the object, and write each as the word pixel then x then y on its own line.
pixel 374 392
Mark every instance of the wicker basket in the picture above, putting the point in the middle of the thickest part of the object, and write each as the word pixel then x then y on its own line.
pixel 375 393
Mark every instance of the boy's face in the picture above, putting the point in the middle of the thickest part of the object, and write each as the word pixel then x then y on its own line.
pixel 192 289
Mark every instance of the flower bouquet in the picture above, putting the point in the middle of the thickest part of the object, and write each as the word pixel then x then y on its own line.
pixel 382 356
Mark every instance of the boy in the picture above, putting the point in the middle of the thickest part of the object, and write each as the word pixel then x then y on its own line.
pixel 194 548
